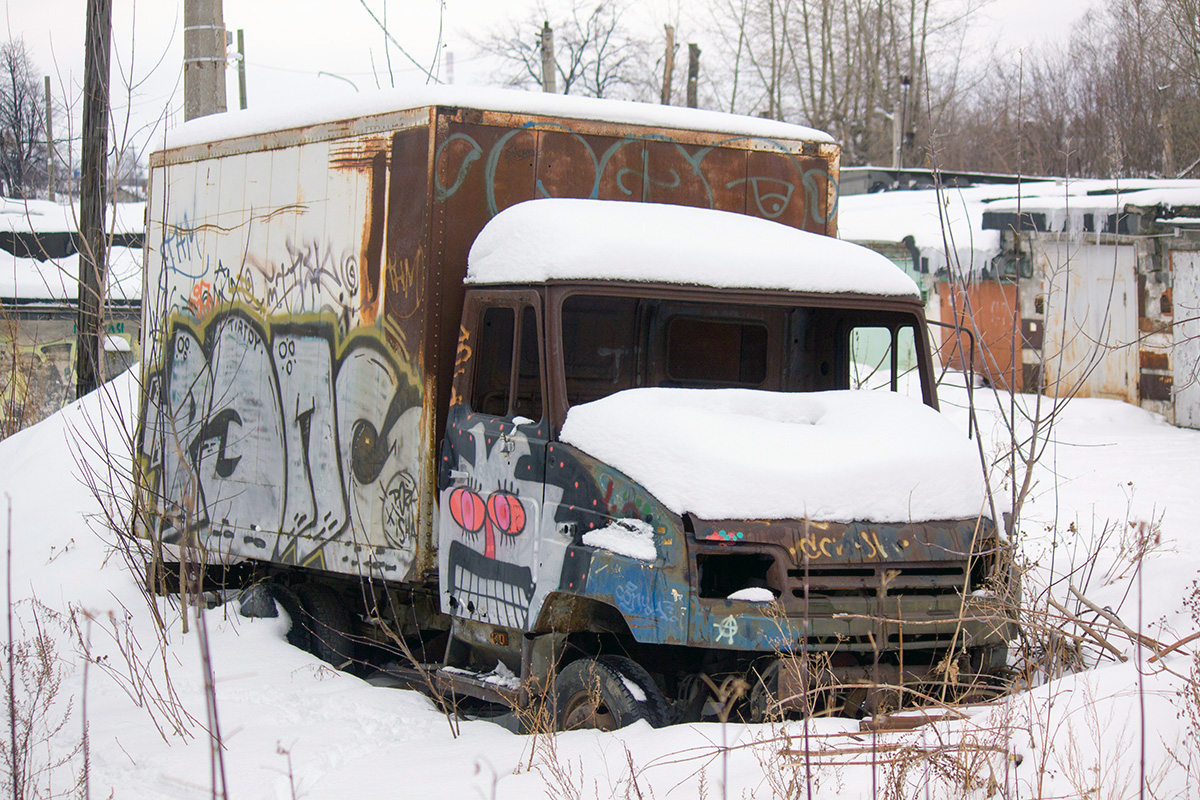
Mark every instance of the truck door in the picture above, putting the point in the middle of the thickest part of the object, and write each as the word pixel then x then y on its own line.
pixel 493 466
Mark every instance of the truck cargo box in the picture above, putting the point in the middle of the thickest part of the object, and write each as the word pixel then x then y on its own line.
pixel 304 286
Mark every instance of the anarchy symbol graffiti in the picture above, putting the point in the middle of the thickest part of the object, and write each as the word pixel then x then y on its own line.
pixel 726 629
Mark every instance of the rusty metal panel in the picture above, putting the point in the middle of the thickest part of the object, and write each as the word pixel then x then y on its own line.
pixel 1154 387
pixel 791 190
pixel 1032 333
pixel 1153 359
pixel 1091 319
pixel 989 310
pixel 479 171
pixel 586 166
pixel 694 176
pixel 407 229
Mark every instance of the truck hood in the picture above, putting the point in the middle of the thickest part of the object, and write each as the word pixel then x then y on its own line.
pixel 844 456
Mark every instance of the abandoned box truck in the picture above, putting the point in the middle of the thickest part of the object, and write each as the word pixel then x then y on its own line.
pixel 569 400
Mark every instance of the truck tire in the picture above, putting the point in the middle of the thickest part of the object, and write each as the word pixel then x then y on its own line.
pixel 264 600
pixel 326 619
pixel 606 693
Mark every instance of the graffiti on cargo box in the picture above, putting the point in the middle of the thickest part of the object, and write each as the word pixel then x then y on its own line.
pixel 273 437
pixel 307 274
pixel 457 155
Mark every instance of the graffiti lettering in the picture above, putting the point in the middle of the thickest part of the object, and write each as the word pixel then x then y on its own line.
pixel 202 299
pixel 771 204
pixel 641 600
pixel 286 430
pixel 461 358
pixel 772 196
pixel 178 250
pixel 866 545
pixel 315 271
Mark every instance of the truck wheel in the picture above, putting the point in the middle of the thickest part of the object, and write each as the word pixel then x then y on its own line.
pixel 606 693
pixel 327 621
pixel 764 697
pixel 264 600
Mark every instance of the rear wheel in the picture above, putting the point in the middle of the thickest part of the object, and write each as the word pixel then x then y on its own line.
pixel 266 599
pixel 606 693
pixel 327 620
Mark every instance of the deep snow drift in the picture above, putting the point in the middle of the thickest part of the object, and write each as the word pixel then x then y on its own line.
pixel 291 726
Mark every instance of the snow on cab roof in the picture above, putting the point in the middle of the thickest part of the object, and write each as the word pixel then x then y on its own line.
pixel 233 124
pixel 559 239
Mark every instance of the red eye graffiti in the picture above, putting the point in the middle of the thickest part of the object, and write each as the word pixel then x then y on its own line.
pixel 503 512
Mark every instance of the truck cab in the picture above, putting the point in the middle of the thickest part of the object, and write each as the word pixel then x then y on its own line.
pixel 730 457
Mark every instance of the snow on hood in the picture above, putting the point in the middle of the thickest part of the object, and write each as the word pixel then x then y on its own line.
pixel 840 456
pixel 560 239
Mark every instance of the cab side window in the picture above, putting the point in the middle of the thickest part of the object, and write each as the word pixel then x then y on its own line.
pixel 508 376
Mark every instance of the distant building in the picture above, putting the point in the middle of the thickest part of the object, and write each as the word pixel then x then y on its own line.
pixel 1075 288
pixel 39 268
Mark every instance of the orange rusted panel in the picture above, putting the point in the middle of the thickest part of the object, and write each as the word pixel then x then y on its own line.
pixel 695 176
pixel 574 165
pixel 989 310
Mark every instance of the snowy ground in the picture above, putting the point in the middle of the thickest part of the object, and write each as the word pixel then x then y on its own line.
pixel 291 726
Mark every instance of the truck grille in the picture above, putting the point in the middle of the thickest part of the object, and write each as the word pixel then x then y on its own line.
pixel 883 580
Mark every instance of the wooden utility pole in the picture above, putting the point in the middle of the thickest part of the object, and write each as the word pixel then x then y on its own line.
pixel 49 145
pixel 241 70
pixel 668 65
pixel 203 58
pixel 93 166
pixel 548 84
pixel 693 74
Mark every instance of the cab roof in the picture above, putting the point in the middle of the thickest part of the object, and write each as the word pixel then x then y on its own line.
pixel 579 240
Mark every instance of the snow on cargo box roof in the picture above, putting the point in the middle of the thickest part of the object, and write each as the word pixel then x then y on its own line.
pixel 552 239
pixel 233 124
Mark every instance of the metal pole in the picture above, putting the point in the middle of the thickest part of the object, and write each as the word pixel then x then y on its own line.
pixel 897 114
pixel 450 67
pixel 241 70
pixel 668 65
pixel 49 145
pixel 203 58
pixel 693 74
pixel 548 84
pixel 91 195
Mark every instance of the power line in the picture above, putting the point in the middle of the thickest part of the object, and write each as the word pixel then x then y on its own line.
pixel 399 47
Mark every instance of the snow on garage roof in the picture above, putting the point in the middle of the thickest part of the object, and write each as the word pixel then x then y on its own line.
pixel 552 239
pixel 229 125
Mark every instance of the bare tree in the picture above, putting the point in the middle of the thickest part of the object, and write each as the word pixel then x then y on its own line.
pixel 22 123
pixel 1122 98
pixel 597 53
pixel 855 68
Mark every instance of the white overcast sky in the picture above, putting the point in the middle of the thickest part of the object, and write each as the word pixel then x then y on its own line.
pixel 290 43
